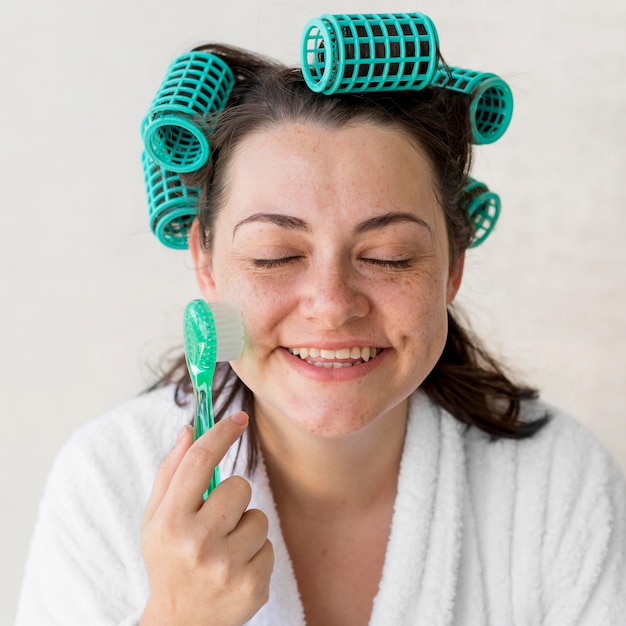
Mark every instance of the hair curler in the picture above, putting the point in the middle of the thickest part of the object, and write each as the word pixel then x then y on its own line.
pixel 172 206
pixel 492 104
pixel 196 85
pixel 483 209
pixel 371 52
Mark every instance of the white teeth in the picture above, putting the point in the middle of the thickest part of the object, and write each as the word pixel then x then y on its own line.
pixel 355 353
pixel 329 364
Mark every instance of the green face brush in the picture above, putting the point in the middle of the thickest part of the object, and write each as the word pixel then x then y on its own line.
pixel 213 332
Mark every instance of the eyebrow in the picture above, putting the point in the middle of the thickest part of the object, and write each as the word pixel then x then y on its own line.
pixel 373 223
pixel 284 221
pixel 380 221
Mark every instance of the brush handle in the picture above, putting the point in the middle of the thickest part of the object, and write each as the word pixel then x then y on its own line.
pixel 212 333
pixel 203 421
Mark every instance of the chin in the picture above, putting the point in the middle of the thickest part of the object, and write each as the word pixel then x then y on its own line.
pixel 335 421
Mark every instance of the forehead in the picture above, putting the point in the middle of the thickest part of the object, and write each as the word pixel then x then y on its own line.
pixel 365 142
pixel 358 163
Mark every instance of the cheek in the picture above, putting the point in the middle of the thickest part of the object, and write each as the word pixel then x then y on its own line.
pixel 420 314
pixel 262 306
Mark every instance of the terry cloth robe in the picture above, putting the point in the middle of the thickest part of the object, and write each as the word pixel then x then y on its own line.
pixel 498 533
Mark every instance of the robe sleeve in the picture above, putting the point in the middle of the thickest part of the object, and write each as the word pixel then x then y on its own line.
pixel 85 564
pixel 585 556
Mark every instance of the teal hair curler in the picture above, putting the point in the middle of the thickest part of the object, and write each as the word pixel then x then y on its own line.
pixel 483 209
pixel 196 85
pixel 492 105
pixel 371 52
pixel 172 206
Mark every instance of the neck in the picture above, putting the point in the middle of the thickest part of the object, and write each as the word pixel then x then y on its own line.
pixel 316 474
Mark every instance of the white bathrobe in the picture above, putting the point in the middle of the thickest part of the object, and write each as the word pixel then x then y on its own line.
pixel 499 533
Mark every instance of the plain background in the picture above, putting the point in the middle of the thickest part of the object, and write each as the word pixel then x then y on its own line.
pixel 90 299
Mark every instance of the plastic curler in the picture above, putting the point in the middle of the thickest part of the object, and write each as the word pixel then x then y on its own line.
pixel 196 84
pixel 483 209
pixel 492 105
pixel 172 206
pixel 357 53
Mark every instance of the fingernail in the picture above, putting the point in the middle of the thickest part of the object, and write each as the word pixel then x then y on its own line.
pixel 180 436
pixel 239 418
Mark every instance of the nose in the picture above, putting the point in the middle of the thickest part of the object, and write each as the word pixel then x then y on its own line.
pixel 333 297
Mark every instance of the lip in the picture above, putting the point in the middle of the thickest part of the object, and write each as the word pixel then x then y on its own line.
pixel 335 345
pixel 344 374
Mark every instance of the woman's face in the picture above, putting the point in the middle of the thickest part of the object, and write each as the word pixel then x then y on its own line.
pixel 334 247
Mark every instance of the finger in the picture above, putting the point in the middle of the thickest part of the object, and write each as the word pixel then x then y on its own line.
pixel 231 499
pixel 250 534
pixel 167 469
pixel 256 583
pixel 194 473
pixel 263 560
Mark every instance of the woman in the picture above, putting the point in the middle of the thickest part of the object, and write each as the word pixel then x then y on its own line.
pixel 393 474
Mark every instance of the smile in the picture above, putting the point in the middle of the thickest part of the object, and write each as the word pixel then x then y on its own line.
pixel 335 359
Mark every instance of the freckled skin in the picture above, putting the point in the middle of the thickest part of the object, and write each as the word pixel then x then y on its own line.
pixel 333 287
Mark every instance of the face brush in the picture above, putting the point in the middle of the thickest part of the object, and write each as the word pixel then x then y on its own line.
pixel 213 332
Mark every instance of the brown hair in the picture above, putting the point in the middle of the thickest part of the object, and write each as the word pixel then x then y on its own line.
pixel 467 381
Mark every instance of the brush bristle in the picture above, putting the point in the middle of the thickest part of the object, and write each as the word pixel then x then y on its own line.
pixel 228 330
pixel 213 332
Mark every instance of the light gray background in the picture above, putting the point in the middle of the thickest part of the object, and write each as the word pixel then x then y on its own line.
pixel 90 299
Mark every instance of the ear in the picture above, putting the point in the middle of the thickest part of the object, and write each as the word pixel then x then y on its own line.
pixel 201 263
pixel 455 276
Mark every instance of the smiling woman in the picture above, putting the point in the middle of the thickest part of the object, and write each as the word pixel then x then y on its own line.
pixel 352 252
pixel 369 165
pixel 392 472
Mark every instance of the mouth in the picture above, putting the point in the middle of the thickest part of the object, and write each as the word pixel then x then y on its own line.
pixel 336 359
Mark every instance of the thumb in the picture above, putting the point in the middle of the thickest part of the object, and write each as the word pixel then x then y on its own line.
pixel 167 470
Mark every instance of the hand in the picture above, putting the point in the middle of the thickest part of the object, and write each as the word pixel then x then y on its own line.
pixel 209 563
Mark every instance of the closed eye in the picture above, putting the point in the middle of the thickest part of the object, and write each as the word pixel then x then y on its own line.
pixel 384 263
pixel 388 263
pixel 270 263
